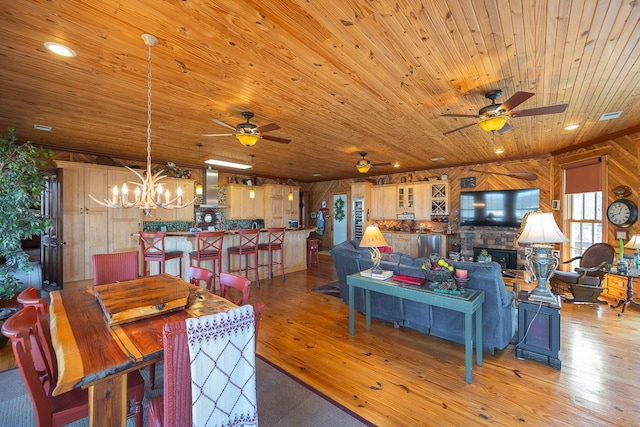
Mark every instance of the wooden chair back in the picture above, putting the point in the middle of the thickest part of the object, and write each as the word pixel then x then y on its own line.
pixel 209 243
pixel 197 274
pixel 235 288
pixel 118 267
pixel 153 243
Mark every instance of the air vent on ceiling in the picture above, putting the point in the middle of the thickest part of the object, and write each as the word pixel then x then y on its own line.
pixel 610 116
pixel 42 127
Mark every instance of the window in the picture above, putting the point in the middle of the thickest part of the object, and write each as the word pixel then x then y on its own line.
pixel 585 220
pixel 583 199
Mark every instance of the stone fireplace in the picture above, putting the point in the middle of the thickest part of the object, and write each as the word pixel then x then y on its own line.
pixel 501 240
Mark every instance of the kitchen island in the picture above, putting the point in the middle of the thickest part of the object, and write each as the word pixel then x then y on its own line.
pixel 295 252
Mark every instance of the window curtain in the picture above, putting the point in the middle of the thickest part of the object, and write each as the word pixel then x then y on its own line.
pixel 584 176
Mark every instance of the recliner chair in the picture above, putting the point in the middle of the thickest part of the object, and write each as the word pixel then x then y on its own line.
pixel 585 282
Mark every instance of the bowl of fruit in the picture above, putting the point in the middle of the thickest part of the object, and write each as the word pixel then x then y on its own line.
pixel 437 270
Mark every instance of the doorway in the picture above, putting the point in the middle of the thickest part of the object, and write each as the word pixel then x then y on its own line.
pixel 339 218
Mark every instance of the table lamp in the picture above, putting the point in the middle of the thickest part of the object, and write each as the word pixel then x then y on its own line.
pixel 373 238
pixel 634 243
pixel 542 232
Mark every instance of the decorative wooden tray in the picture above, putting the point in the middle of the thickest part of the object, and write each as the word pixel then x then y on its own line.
pixel 137 299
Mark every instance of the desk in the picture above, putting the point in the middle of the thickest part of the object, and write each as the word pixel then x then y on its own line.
pixel 469 303
pixel 92 354
pixel 628 293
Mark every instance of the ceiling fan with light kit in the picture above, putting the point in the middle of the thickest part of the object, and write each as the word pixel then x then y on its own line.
pixel 364 165
pixel 494 117
pixel 248 133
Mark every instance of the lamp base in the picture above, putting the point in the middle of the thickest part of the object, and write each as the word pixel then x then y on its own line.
pixel 543 297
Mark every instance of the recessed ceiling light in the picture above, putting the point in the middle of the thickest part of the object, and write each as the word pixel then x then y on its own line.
pixel 228 164
pixel 437 159
pixel 316 174
pixel 396 164
pixel 60 49
pixel 499 150
pixel 571 127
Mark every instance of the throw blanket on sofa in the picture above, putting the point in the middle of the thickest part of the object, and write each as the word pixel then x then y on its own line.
pixel 223 374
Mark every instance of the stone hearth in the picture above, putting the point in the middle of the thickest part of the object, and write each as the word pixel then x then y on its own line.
pixel 490 238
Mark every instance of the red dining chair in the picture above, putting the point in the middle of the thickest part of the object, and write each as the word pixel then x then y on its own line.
pixel 234 288
pixel 197 275
pixel 208 248
pixel 247 247
pixel 175 407
pixel 45 361
pixel 153 250
pixel 274 243
pixel 118 267
pixel 52 411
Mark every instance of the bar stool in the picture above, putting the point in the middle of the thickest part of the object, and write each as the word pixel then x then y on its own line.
pixel 208 248
pixel 312 252
pixel 153 250
pixel 248 246
pixel 274 243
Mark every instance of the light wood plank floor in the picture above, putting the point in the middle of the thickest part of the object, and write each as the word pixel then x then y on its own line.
pixel 396 377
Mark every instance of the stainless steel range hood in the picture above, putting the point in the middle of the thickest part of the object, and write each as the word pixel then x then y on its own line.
pixel 210 188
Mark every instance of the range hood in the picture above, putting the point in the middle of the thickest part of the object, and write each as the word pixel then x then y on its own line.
pixel 210 188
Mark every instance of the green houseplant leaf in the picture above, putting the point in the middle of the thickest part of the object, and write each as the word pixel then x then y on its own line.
pixel 21 184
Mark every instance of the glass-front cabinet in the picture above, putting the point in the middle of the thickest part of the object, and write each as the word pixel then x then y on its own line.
pixel 405 199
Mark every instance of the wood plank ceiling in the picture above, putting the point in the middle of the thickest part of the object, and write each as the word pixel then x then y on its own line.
pixel 338 77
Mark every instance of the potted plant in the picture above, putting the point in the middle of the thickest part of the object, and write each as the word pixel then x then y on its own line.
pixel 484 256
pixel 21 184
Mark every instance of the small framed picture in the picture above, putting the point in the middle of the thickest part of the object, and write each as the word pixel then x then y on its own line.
pixel 555 205
pixel 313 215
pixel 622 234
pixel 324 204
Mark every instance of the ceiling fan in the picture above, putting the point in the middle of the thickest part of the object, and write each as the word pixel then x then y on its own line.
pixel 363 165
pixel 493 117
pixel 249 133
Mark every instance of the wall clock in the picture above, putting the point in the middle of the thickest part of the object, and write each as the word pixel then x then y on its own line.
pixel 622 213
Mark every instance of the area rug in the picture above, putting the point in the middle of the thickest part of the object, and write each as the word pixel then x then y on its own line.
pixel 332 289
pixel 282 401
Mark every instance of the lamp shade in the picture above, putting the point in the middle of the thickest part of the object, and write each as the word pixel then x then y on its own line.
pixel 634 242
pixel 363 165
pixel 372 237
pixel 493 124
pixel 540 227
pixel 247 140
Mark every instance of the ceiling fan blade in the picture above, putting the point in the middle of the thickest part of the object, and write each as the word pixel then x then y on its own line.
pixel 221 123
pixel 218 134
pixel 552 109
pixel 459 115
pixel 268 127
pixel 517 99
pixel 275 139
pixel 460 128
pixel 527 176
pixel 505 128
pixel 381 164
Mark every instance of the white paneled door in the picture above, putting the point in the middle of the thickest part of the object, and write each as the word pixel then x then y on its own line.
pixel 339 218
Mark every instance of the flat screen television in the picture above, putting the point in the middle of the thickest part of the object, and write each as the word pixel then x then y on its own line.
pixel 499 208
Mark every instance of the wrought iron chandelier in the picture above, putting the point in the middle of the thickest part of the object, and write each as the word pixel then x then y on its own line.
pixel 148 192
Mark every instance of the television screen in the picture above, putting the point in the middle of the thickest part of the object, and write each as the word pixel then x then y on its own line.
pixel 500 208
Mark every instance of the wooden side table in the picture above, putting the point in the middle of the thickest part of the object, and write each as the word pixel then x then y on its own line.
pixel 539 330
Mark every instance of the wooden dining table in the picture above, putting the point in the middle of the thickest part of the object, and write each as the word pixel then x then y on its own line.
pixel 92 353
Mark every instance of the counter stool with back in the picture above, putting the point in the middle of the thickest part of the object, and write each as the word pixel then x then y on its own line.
pixel 209 248
pixel 246 248
pixel 275 243
pixel 153 250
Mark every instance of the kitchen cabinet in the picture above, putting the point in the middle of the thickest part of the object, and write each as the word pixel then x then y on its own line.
pixel 84 222
pixel 431 199
pixel 181 214
pixel 440 198
pixel 405 198
pixel 278 208
pixel 241 205
pixel 123 223
pixel 406 243
pixel 383 202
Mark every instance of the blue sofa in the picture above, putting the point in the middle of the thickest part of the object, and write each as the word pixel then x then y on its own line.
pixel 498 310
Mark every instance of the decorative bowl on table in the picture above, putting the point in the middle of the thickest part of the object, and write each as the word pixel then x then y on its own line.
pixel 437 276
